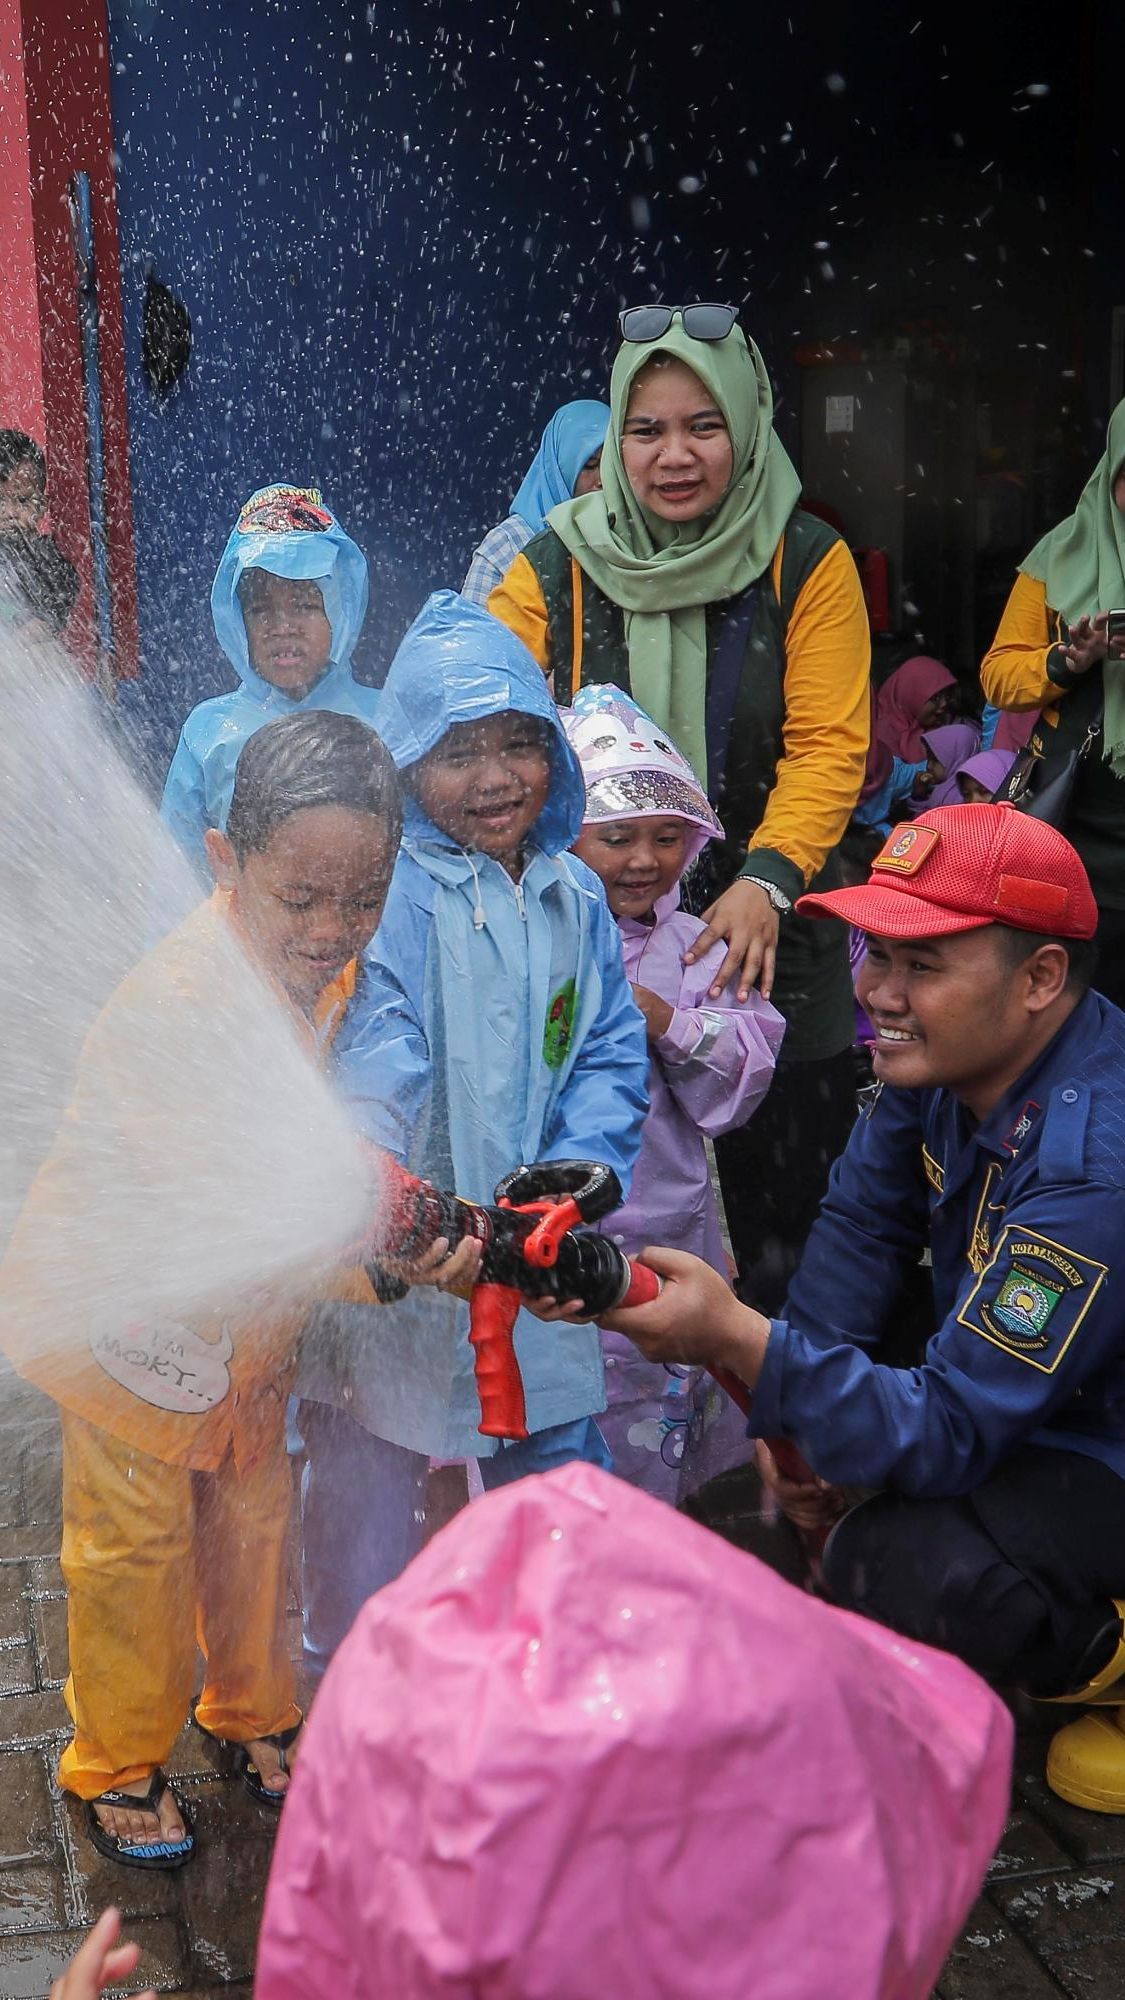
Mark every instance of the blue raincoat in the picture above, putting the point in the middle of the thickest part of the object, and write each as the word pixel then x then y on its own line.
pixel 493 1025
pixel 198 790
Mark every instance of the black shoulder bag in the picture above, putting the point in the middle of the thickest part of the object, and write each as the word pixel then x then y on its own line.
pixel 1040 791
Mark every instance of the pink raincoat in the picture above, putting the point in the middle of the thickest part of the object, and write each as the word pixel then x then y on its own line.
pixel 584 1750
pixel 671 1430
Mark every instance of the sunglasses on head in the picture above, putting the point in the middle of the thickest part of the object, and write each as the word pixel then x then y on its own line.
pixel 700 322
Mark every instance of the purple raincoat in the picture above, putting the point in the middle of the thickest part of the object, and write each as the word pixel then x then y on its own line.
pixel 670 1430
pixel 582 1749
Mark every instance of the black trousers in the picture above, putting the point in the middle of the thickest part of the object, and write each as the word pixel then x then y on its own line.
pixel 1016 1578
pixel 774 1170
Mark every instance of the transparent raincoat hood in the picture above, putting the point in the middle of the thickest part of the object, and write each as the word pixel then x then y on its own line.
pixel 459 664
pixel 289 531
pixel 585 1750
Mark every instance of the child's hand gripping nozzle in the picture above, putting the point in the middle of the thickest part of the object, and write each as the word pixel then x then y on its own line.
pixel 533 1247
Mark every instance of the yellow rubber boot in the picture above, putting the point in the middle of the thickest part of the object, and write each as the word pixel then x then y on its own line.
pixel 1086 1761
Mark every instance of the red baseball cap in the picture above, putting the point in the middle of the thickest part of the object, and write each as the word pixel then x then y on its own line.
pixel 959 868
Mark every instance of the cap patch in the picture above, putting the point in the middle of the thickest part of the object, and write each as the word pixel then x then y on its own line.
pixel 906 849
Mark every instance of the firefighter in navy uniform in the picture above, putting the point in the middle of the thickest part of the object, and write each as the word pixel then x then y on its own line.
pixel 997 1528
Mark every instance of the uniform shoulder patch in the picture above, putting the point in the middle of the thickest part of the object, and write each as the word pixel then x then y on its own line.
pixel 1032 1297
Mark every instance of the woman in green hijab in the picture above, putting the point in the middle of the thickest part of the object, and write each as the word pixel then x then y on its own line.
pixel 1053 651
pixel 695 580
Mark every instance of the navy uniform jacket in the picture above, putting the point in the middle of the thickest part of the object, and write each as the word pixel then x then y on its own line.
pixel 1025 1216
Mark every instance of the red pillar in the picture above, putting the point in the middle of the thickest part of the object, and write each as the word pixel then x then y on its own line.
pixel 55 122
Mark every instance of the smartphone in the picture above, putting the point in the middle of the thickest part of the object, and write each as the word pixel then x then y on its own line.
pixel 1115 626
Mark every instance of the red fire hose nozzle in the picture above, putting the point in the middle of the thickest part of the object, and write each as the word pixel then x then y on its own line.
pixel 531 1248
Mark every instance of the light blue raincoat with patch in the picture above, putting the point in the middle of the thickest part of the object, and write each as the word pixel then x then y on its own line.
pixel 455 1047
pixel 200 781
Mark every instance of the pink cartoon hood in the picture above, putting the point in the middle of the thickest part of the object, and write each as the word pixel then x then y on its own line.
pixel 632 770
pixel 583 1748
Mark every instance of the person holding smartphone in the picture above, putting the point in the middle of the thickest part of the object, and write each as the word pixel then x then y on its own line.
pixel 1059 648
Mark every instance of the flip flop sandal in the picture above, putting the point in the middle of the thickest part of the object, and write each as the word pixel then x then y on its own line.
pixel 141 1853
pixel 235 1761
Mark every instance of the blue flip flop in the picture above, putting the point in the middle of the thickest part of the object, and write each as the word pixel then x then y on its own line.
pixel 141 1853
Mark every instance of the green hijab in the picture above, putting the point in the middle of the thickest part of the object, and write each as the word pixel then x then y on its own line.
pixel 1081 563
pixel 665 574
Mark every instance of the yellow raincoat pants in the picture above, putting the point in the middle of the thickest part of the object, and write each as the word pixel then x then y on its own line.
pixel 156 1559
pixel 175 1519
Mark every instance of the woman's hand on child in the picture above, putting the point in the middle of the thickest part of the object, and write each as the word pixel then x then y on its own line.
pixel 657 1012
pixel 810 1504
pixel 744 919
pixel 101 1962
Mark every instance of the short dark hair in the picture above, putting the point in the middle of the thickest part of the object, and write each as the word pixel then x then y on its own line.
pixel 313 759
pixel 1082 953
pixel 17 449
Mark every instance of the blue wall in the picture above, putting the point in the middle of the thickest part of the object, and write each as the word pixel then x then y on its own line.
pixel 403 230
pixel 372 227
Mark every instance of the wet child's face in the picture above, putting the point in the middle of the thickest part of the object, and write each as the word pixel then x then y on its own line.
pixel 310 900
pixel 287 633
pixel 638 860
pixel 22 500
pixel 486 783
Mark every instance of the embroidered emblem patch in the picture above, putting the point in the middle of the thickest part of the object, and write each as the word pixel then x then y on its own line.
pixel 1022 1127
pixel 1032 1297
pixel 906 848
pixel 559 1027
pixel 1024 1304
pixel 986 1220
pixel 935 1172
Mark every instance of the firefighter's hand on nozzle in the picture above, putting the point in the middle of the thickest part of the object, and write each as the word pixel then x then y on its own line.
pixel 696 1318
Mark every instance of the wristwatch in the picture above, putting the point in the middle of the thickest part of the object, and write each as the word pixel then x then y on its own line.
pixel 781 902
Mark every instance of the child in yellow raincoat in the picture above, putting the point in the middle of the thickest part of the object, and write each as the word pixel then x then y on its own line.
pixel 175 1481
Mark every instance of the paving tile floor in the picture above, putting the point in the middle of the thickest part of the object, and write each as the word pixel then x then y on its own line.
pixel 1050 1919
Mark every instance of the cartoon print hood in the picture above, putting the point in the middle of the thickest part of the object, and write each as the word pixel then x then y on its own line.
pixel 289 531
pixel 634 771
pixel 459 664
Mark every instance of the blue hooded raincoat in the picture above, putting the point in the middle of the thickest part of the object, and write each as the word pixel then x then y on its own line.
pixel 493 1025
pixel 198 790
